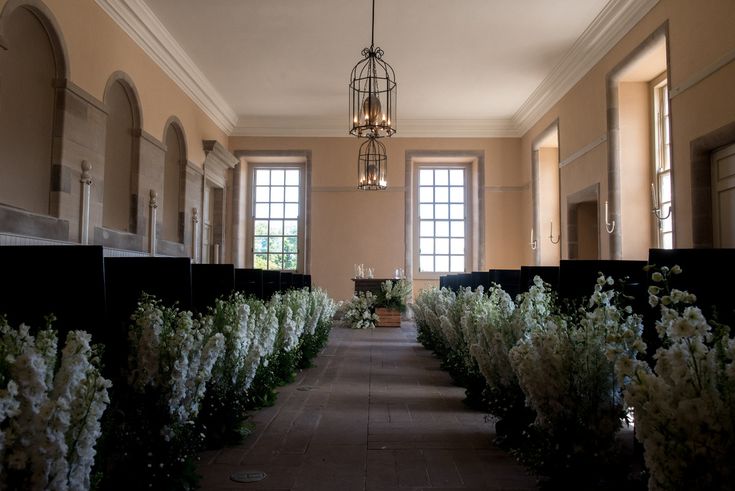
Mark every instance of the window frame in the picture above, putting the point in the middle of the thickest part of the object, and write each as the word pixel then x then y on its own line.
pixel 470 203
pixel 661 157
pixel 284 164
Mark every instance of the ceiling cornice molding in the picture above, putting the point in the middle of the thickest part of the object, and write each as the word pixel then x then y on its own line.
pixel 408 128
pixel 616 19
pixel 142 25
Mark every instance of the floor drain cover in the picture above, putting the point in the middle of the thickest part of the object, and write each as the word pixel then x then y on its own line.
pixel 248 476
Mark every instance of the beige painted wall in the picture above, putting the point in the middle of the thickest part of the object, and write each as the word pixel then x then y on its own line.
pixel 700 34
pixel 350 226
pixel 635 169
pixel 549 206
pixel 97 47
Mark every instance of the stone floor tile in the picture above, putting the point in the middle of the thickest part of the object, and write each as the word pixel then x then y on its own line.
pixel 375 413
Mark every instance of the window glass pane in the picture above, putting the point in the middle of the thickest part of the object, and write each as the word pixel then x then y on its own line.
pixel 457 264
pixel 261 194
pixel 261 210
pixel 442 211
pixel 426 246
pixel 456 195
pixel 261 227
pixel 442 246
pixel 457 229
pixel 441 177
pixel 668 241
pixel 260 261
pixel 289 261
pixel 276 193
pixel 275 244
pixel 426 263
pixel 275 261
pixel 442 229
pixel 292 210
pixel 426 195
pixel 456 212
pixel 665 187
pixel 278 177
pixel 277 210
pixel 667 224
pixel 292 177
pixel 292 194
pixel 426 177
pixel 262 177
pixel 457 246
pixel 441 263
pixel 260 244
pixel 426 211
pixel 441 194
pixel 276 227
pixel 426 229
pixel 456 177
pixel 290 227
pixel 290 244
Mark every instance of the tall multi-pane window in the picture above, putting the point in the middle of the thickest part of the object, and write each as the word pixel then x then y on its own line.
pixel 277 218
pixel 442 219
pixel 662 195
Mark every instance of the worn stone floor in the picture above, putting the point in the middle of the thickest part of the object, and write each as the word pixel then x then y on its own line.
pixel 375 413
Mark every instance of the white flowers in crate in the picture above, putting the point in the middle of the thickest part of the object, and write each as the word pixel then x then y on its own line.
pixel 172 354
pixel 49 420
pixel 685 406
pixel 361 311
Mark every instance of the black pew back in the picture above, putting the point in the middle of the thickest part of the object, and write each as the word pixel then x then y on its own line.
pixel 705 273
pixel 210 282
pixel 67 281
pixel 249 281
pixel 508 279
pixel 577 277
pixel 271 284
pixel 550 275
pixel 480 278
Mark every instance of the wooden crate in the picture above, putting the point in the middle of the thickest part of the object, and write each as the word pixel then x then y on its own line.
pixel 388 317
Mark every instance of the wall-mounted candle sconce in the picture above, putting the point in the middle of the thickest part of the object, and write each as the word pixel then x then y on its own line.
pixel 533 243
pixel 656 208
pixel 609 225
pixel 551 234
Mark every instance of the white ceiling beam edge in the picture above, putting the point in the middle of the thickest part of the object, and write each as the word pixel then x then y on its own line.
pixel 409 128
pixel 606 30
pixel 142 25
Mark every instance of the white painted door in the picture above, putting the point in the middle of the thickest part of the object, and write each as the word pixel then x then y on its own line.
pixel 723 197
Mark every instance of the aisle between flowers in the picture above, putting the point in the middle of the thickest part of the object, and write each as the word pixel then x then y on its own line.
pixel 563 378
pixel 189 384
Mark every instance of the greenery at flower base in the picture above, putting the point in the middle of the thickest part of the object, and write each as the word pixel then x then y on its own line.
pixel 190 383
pixel 562 379
pixel 360 310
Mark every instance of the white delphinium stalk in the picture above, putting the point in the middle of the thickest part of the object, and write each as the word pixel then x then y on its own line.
pixel 685 406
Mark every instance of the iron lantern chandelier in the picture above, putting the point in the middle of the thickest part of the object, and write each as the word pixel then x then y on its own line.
pixel 372 93
pixel 372 165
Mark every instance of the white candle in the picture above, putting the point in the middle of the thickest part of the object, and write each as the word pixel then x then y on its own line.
pixel 531 234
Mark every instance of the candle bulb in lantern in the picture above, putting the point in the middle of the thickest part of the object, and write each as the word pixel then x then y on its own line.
pixel 654 198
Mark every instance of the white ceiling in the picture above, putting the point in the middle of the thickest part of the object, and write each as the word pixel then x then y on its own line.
pixel 471 66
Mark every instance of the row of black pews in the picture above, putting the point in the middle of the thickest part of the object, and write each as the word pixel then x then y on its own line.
pixel 84 290
pixel 706 273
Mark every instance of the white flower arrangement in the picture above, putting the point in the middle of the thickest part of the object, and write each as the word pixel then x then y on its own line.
pixel 361 311
pixel 172 354
pixel 49 420
pixel 685 406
